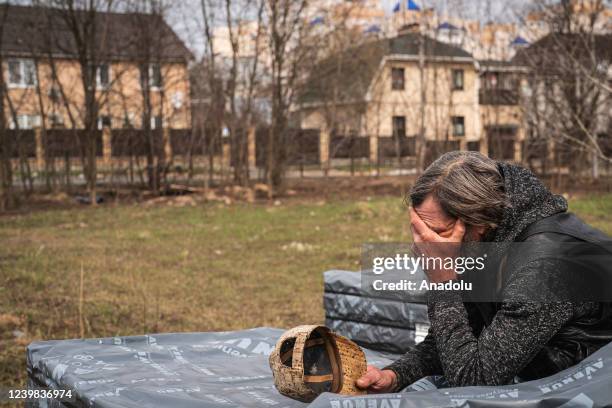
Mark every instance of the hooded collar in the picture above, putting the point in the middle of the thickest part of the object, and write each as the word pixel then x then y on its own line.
pixel 528 201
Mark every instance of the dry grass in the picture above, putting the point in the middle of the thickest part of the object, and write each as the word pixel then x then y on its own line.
pixel 161 269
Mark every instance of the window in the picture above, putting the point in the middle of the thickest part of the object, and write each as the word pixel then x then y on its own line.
pixel 103 76
pixel 491 79
pixel 397 79
pixel 15 75
pixel 128 120
pixel 104 121
pixel 154 76
pixel 26 122
pixel 54 94
pixel 457 79
pixel 458 125
pixel 399 126
pixel 509 82
pixel 156 122
pixel 56 120
pixel 500 80
pixel 21 73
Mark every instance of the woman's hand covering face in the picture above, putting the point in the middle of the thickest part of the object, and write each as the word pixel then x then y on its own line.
pixel 432 244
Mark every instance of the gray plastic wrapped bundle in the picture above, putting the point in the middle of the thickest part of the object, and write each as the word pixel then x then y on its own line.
pixel 386 320
pixel 230 369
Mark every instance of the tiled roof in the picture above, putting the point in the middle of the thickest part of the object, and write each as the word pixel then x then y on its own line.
pixel 42 31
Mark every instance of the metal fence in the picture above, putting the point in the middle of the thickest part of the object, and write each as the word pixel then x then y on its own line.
pixel 349 147
pixel 300 147
pixel 196 142
pixel 395 147
pixel 22 143
pixel 436 148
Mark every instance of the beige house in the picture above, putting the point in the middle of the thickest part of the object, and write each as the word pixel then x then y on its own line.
pixel 43 77
pixel 389 88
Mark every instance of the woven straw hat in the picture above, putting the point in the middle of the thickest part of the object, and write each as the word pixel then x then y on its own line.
pixel 310 360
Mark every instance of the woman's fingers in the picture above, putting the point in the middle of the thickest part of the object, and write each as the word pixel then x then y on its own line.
pixel 376 380
pixel 417 223
pixel 422 233
pixel 458 232
pixel 416 237
pixel 425 233
pixel 370 378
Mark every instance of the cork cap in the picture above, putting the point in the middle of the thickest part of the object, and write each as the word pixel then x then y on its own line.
pixel 310 360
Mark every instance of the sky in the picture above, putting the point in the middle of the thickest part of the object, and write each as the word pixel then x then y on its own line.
pixel 501 10
pixel 186 16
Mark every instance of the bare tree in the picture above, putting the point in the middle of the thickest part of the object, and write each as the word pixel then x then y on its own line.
pixel 569 76
pixel 88 32
pixel 7 199
pixel 214 109
pixel 421 139
pixel 252 76
pixel 242 76
pixel 14 103
pixel 286 34
pixel 342 71
pixel 58 96
pixel 147 17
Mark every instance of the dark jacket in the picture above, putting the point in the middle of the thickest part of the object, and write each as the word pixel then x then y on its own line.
pixel 500 343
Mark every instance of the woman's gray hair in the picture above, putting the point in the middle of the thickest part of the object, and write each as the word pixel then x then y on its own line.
pixel 467 185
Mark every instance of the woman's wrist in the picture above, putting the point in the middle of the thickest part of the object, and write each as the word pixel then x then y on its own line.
pixel 393 377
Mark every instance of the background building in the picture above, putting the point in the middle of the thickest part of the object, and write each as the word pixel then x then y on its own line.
pixel 391 90
pixel 42 71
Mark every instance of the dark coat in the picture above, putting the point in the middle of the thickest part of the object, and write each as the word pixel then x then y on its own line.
pixel 518 339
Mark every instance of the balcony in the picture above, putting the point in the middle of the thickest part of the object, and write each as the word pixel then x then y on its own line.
pixel 498 97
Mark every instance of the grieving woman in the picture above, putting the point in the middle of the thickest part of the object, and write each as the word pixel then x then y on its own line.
pixel 465 196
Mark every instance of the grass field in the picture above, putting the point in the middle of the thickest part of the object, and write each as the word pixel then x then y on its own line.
pixel 162 268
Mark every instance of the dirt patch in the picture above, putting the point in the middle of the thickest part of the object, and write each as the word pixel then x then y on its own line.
pixel 353 187
pixel 301 189
pixel 296 190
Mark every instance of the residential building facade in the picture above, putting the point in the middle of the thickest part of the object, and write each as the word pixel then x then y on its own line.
pixel 391 89
pixel 501 92
pixel 136 54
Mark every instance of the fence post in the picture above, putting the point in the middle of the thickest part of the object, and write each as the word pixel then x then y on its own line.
pixel 106 145
pixel 226 156
pixel 324 148
pixel 373 149
pixel 484 143
pixel 40 149
pixel 167 143
pixel 251 147
pixel 518 152
pixel 595 164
